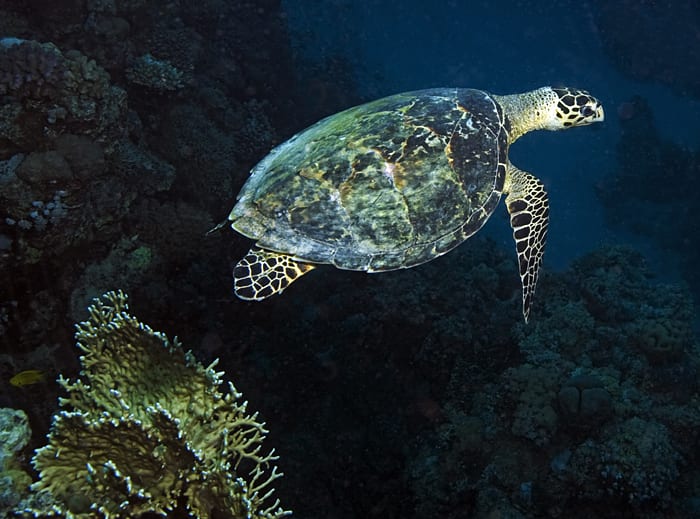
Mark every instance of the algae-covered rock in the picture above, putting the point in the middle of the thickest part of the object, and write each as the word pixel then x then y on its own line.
pixel 45 167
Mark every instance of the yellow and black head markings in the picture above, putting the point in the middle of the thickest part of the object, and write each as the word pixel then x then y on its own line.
pixel 397 182
pixel 577 107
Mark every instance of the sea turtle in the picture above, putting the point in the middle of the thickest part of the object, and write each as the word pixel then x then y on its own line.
pixel 397 182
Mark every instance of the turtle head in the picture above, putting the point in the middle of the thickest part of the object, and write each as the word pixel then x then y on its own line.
pixel 573 107
pixel 549 108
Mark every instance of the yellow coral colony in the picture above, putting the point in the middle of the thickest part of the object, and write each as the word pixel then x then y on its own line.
pixel 147 430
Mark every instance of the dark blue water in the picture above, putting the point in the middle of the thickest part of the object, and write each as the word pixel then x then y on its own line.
pixel 506 47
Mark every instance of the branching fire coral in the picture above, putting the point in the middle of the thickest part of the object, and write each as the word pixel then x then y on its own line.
pixel 146 429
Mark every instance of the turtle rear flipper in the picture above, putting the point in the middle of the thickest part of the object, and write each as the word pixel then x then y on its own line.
pixel 528 207
pixel 261 274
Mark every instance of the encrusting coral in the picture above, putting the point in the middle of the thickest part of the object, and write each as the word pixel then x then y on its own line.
pixel 147 430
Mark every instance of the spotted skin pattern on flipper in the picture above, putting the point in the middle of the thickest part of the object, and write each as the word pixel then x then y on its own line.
pixel 263 273
pixel 528 207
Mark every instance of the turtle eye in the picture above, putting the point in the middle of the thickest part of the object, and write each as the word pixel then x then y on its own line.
pixel 587 111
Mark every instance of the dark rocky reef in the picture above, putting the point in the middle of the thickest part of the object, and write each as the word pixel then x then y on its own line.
pixel 425 384
pixel 126 128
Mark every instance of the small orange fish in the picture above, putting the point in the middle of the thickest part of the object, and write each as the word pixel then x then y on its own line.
pixel 28 377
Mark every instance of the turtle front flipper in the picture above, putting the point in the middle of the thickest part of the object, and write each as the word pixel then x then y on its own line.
pixel 529 216
pixel 262 273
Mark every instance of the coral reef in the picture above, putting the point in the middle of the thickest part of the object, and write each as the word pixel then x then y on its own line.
pixel 64 90
pixel 14 435
pixel 153 73
pixel 61 117
pixel 633 460
pixel 31 69
pixel 146 429
pixel 534 417
pixel 87 139
pixel 589 422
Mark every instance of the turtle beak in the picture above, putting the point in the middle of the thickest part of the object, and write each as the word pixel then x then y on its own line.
pixel 593 113
pixel 599 113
